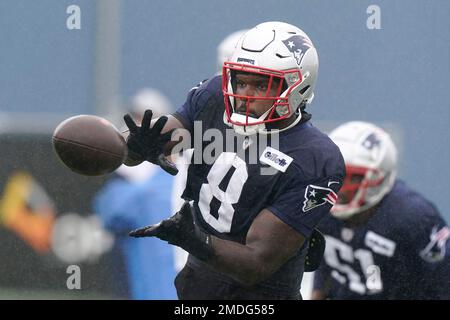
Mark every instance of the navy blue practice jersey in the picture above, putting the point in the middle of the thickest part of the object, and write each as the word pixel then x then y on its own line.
pixel 400 253
pixel 295 175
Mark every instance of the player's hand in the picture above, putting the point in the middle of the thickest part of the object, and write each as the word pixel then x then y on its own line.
pixel 174 230
pixel 145 143
pixel 179 230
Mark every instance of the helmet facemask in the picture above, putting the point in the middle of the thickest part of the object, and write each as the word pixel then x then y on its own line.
pixel 360 184
pixel 237 107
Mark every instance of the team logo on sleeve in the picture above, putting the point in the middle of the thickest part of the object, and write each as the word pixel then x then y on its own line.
pixel 435 250
pixel 316 196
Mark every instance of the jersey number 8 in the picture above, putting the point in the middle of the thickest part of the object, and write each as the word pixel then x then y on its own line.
pixel 210 190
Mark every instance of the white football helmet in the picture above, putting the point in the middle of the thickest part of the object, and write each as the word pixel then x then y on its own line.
pixel 281 52
pixel 150 98
pixel 371 164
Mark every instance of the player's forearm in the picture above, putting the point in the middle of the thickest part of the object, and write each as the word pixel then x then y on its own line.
pixel 245 264
pixel 269 244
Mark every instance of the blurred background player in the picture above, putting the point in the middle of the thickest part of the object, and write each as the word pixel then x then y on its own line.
pixel 140 195
pixel 226 47
pixel 383 240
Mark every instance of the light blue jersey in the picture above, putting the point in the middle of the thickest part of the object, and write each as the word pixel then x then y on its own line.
pixel 128 202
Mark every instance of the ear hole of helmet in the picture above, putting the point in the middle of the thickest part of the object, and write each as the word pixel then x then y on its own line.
pixel 304 90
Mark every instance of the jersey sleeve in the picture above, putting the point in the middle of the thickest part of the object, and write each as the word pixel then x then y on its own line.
pixel 431 250
pixel 194 103
pixel 303 206
pixel 434 252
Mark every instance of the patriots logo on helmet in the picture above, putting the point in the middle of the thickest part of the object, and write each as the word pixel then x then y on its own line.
pixel 316 196
pixel 435 250
pixel 371 141
pixel 298 45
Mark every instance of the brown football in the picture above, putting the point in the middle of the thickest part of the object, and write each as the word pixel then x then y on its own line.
pixel 89 145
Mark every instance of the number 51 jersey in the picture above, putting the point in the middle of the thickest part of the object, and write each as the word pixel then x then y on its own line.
pixel 401 252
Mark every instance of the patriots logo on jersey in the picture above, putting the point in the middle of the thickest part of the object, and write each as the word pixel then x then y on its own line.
pixel 435 250
pixel 316 196
pixel 298 45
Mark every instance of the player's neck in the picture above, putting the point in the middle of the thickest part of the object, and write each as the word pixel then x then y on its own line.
pixel 281 124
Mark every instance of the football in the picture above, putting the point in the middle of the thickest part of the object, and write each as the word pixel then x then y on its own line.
pixel 89 145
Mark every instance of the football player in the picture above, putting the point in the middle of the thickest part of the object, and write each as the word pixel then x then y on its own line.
pixel 383 240
pixel 246 223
